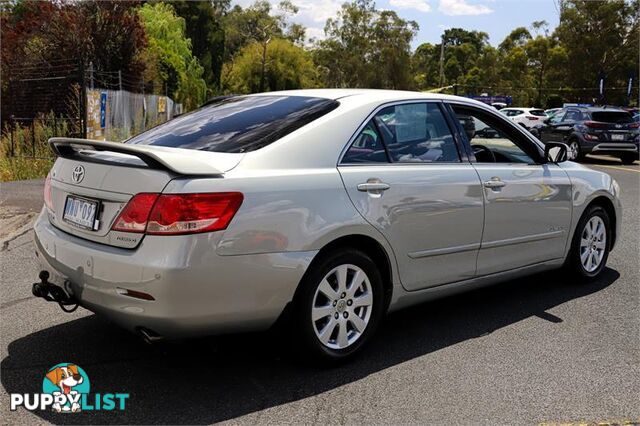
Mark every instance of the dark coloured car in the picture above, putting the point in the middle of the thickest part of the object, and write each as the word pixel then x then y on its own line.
pixel 587 130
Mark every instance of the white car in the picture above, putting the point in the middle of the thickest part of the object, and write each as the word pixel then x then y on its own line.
pixel 526 117
pixel 326 208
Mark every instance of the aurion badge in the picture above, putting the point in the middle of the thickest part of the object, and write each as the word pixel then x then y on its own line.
pixel 78 174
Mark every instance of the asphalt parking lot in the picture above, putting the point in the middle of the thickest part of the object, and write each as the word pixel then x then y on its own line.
pixel 528 351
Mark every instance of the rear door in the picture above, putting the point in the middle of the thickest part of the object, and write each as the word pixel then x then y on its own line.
pixel 562 129
pixel 405 175
pixel 547 132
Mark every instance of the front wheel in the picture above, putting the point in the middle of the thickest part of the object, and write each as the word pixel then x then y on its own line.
pixel 590 244
pixel 339 305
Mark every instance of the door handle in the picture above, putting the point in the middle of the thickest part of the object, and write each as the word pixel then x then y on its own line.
pixel 373 186
pixel 494 183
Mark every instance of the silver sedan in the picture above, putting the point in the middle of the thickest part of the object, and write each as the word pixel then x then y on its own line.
pixel 328 208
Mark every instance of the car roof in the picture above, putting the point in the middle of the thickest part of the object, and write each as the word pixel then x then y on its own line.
pixel 366 96
pixel 597 109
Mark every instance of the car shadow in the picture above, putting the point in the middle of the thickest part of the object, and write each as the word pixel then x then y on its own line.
pixel 216 379
pixel 604 160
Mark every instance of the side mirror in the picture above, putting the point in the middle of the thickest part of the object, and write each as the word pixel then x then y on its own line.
pixel 556 152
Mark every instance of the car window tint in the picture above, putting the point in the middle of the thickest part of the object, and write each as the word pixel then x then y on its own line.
pixel 557 117
pixel 618 117
pixel 572 115
pixel 538 113
pixel 238 123
pixel 367 147
pixel 416 133
pixel 491 140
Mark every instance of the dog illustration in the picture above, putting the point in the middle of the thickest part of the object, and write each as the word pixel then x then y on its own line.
pixel 65 378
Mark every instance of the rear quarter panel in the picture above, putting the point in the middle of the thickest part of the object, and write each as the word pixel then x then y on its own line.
pixel 285 211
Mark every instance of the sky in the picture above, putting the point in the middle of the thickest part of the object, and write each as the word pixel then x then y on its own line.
pixel 495 17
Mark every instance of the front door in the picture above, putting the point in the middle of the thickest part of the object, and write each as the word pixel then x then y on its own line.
pixel 527 204
pixel 404 174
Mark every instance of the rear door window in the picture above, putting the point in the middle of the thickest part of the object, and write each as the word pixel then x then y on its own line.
pixel 572 115
pixel 405 133
pixel 237 124
pixel 538 113
pixel 367 147
pixel 617 117
pixel 416 133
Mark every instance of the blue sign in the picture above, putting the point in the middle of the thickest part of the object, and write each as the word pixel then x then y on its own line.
pixel 103 109
pixel 493 99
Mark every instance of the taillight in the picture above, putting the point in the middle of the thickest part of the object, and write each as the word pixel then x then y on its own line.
pixel 48 201
pixel 135 214
pixel 595 125
pixel 633 125
pixel 173 214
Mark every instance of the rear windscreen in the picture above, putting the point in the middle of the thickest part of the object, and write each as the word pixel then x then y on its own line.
pixel 237 124
pixel 538 112
pixel 618 117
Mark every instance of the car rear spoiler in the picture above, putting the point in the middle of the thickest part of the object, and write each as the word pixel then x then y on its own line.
pixel 171 159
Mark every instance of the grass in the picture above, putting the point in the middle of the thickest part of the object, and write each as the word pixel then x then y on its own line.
pixel 25 152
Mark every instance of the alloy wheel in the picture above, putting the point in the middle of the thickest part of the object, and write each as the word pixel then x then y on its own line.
pixel 341 307
pixel 593 244
pixel 574 150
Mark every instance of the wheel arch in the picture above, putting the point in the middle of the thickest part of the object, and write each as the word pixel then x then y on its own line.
pixel 368 245
pixel 608 206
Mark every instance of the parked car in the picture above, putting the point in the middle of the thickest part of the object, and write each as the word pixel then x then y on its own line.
pixel 587 130
pixel 526 117
pixel 323 208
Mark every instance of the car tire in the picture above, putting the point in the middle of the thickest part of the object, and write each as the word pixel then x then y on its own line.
pixel 590 245
pixel 575 151
pixel 628 158
pixel 335 320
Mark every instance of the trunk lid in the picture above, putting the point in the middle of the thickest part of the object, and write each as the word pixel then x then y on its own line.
pixel 110 174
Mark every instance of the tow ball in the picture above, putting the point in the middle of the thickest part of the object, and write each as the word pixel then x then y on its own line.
pixel 53 293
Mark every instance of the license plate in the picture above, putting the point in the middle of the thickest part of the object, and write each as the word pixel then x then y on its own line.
pixel 81 212
pixel 617 137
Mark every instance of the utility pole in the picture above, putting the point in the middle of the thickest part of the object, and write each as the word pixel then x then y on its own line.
pixel 91 74
pixel 442 61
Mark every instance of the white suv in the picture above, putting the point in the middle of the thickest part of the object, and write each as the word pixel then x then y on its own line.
pixel 526 117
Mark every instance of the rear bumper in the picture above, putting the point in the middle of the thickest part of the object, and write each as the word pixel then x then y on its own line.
pixel 196 291
pixel 609 147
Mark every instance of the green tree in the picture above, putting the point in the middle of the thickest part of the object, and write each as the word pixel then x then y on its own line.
pixel 600 36
pixel 366 47
pixel 257 24
pixel 286 67
pixel 169 55
pixel 204 27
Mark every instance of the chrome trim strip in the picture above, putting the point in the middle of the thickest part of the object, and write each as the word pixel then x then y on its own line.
pixel 520 240
pixel 442 251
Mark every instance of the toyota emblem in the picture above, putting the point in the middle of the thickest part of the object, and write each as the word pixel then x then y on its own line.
pixel 78 174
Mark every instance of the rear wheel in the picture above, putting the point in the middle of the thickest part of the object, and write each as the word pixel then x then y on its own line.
pixel 339 305
pixel 628 158
pixel 590 244
pixel 575 154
